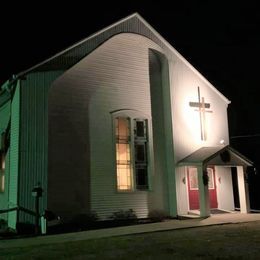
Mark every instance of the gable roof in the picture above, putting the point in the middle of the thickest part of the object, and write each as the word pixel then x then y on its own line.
pixel 131 24
pixel 216 155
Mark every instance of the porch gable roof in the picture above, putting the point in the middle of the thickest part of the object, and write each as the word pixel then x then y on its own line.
pixel 216 155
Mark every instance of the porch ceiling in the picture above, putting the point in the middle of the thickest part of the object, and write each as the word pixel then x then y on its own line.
pixel 216 155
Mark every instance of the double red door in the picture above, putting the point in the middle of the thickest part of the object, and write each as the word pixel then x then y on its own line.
pixel 193 188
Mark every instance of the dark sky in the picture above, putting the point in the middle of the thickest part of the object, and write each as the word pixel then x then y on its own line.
pixel 221 40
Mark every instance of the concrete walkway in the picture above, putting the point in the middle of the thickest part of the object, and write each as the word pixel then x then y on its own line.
pixel 218 219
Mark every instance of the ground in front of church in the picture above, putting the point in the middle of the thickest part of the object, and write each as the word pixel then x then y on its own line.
pixel 236 241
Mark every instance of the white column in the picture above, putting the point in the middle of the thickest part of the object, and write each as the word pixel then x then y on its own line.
pixel 203 194
pixel 243 191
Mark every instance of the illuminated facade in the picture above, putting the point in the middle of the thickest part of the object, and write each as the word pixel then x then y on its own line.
pixel 118 121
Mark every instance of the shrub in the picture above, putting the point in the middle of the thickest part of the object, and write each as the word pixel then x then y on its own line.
pixel 84 219
pixel 3 223
pixel 50 215
pixel 124 215
pixel 157 215
pixel 25 228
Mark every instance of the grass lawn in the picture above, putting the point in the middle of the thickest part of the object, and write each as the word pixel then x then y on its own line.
pixel 233 241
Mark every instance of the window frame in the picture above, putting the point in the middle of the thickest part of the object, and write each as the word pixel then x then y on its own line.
pixel 194 170
pixel 133 115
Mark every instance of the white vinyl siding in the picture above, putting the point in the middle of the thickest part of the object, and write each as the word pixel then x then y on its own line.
pixel 224 188
pixel 186 120
pixel 113 77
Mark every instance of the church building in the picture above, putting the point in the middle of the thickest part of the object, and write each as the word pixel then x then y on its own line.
pixel 118 121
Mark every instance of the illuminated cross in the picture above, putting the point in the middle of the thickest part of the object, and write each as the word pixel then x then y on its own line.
pixel 202 106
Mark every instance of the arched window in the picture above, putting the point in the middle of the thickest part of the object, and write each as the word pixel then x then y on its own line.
pixel 132 151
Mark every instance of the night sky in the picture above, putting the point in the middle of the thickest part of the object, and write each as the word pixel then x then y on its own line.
pixel 220 40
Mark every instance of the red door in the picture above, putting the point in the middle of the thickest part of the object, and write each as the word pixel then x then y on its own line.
pixel 193 188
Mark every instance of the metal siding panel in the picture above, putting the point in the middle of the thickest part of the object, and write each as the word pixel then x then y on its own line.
pixel 34 139
pixel 4 195
pixel 4 117
pixel 14 155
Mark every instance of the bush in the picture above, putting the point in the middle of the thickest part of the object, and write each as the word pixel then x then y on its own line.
pixel 25 228
pixel 157 215
pixel 78 222
pixel 3 224
pixel 124 215
pixel 50 215
pixel 84 219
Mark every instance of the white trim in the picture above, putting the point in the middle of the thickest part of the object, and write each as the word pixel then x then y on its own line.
pixel 187 188
pixel 195 171
pixel 212 178
pixel 134 114
pixel 182 58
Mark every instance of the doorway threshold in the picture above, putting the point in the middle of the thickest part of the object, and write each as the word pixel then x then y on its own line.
pixel 191 214
pixel 194 212
pixel 219 211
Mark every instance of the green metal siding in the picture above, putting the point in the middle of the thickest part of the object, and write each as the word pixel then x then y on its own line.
pixel 33 166
pixel 14 155
pixel 4 196
pixel 4 119
pixel 4 95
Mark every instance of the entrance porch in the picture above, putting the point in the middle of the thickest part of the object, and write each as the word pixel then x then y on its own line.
pixel 205 181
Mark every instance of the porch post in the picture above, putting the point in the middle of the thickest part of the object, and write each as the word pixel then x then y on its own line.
pixel 203 193
pixel 243 191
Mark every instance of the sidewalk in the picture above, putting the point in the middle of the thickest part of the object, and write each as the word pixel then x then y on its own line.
pixel 217 219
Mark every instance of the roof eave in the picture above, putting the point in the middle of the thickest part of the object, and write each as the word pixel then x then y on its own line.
pixel 150 28
pixel 76 44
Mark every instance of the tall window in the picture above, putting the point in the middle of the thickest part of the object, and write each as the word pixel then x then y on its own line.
pixel 123 154
pixel 131 153
pixel 140 143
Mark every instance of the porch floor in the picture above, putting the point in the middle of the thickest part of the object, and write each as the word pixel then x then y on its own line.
pixel 196 213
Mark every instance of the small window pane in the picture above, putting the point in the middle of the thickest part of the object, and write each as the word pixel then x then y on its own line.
pixel 193 176
pixel 124 177
pixel 141 178
pixel 140 128
pixel 140 153
pixel 123 153
pixel 122 129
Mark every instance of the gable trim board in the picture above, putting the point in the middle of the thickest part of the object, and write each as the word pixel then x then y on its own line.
pixel 216 155
pixel 63 75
